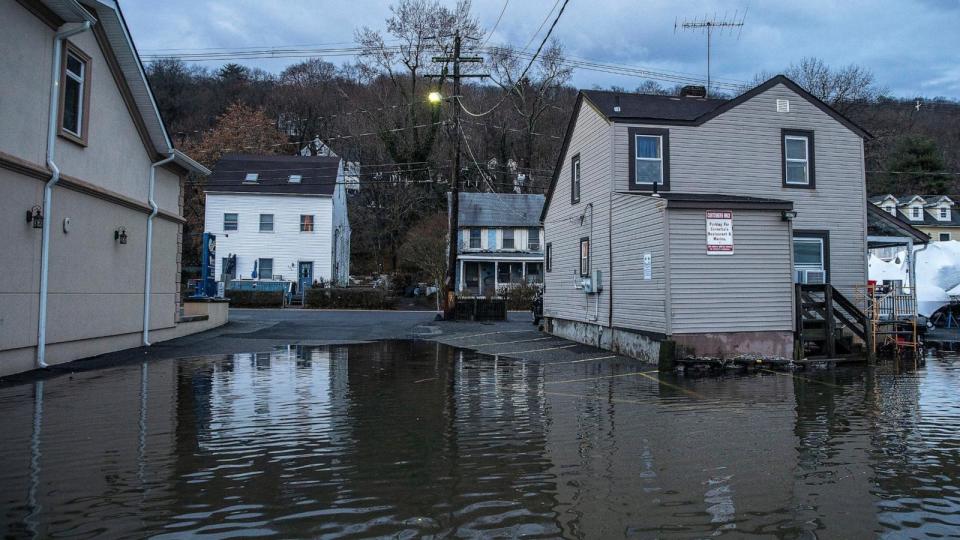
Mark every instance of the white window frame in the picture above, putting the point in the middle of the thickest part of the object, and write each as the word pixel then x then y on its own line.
pixel 260 267
pixel 251 178
pixel 636 148
pixel 272 223
pixel 236 221
pixel 576 180
pixel 533 233
pixel 916 213
pixel 892 210
pixel 503 238
pixel 944 213
pixel 805 160
pixel 470 238
pixel 941 239
pixel 81 80
pixel 584 257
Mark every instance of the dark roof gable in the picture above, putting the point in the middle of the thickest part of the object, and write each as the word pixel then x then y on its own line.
pixel 318 174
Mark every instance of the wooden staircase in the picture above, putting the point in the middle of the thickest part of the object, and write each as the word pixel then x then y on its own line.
pixel 829 325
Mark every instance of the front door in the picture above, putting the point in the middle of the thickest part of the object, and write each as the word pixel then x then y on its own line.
pixel 305 273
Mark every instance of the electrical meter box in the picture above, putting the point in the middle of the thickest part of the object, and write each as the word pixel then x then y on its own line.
pixel 594 283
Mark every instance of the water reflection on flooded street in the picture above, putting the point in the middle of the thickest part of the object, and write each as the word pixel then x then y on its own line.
pixel 417 438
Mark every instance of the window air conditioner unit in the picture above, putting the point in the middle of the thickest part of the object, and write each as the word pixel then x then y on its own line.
pixel 811 277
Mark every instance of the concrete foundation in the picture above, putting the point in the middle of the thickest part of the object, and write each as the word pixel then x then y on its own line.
pixel 773 344
pixel 620 340
pixel 662 350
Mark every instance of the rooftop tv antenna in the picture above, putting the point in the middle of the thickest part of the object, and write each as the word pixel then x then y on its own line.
pixel 710 25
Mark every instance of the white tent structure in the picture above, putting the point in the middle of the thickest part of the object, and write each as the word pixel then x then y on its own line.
pixel 937 273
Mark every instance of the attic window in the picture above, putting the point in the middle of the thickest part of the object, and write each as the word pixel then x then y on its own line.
pixel 251 178
pixel 783 105
pixel 295 178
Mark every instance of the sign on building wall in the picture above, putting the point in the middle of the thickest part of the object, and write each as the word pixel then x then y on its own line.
pixel 647 266
pixel 719 232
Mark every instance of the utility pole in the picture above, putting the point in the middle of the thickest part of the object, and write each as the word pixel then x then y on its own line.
pixel 449 282
pixel 707 25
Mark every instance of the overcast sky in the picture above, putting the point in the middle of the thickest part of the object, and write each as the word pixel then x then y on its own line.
pixel 912 46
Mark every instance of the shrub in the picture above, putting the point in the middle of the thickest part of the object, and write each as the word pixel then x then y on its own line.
pixel 348 298
pixel 519 297
pixel 255 298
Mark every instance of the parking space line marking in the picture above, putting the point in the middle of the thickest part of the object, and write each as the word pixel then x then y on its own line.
pixel 631 374
pixel 798 377
pixel 675 387
pixel 454 336
pixel 584 360
pixel 534 350
pixel 509 342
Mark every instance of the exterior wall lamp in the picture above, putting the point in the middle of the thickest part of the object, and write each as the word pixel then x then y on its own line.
pixel 788 215
pixel 120 235
pixel 35 217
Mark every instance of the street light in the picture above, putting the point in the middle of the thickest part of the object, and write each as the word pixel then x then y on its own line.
pixel 435 97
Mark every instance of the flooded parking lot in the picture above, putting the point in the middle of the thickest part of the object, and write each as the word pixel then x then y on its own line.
pixel 412 438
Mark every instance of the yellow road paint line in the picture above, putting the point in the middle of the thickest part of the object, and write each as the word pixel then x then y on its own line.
pixel 631 374
pixel 675 387
pixel 533 350
pixel 799 378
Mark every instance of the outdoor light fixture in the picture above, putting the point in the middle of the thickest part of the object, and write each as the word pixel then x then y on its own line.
pixel 788 215
pixel 120 235
pixel 35 216
pixel 435 97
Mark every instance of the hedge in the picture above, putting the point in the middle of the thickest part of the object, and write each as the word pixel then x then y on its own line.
pixel 518 297
pixel 240 298
pixel 348 298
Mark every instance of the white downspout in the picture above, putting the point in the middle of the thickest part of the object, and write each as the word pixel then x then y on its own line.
pixel 149 260
pixel 48 189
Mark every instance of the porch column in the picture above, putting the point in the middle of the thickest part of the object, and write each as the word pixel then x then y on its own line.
pixel 461 277
pixel 496 277
pixel 523 273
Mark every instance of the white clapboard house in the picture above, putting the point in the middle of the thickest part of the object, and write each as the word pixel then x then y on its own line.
pixel 281 217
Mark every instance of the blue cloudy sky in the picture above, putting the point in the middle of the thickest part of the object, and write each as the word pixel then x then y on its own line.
pixel 910 45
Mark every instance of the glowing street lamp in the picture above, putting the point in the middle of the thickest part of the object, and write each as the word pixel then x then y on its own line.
pixel 435 97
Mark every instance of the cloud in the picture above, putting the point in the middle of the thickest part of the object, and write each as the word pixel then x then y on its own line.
pixel 910 45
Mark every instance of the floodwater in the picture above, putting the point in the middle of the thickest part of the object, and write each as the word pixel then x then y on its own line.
pixel 405 439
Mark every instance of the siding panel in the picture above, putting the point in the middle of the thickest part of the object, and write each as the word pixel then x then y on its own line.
pixel 564 228
pixel 638 223
pixel 750 290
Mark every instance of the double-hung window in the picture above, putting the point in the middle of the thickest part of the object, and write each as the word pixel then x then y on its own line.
pixel 475 238
pixel 266 269
pixel 230 221
pixel 943 214
pixel 75 94
pixel 575 179
pixel 798 162
pixel 508 242
pixel 533 239
pixel 915 212
pixel 584 257
pixel 306 223
pixel 649 159
pixel 266 222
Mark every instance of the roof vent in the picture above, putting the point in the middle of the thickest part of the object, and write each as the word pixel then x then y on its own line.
pixel 616 103
pixel 783 105
pixel 693 91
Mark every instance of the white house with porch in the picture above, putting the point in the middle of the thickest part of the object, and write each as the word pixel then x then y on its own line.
pixel 500 242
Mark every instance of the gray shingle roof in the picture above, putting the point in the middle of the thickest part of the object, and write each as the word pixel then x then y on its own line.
pixel 318 174
pixel 652 107
pixel 500 210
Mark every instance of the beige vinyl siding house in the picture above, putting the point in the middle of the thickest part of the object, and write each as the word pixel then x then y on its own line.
pixel 107 135
pixel 787 171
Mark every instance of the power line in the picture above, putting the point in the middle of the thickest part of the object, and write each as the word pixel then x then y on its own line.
pixel 496 24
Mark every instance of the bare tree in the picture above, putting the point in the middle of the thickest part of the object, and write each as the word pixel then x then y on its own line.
pixel 418 30
pixel 532 92
pixel 425 248
pixel 847 89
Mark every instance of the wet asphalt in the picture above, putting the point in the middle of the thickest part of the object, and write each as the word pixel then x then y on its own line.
pixel 262 330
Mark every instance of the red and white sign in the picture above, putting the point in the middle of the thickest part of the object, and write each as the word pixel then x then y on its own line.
pixel 719 232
